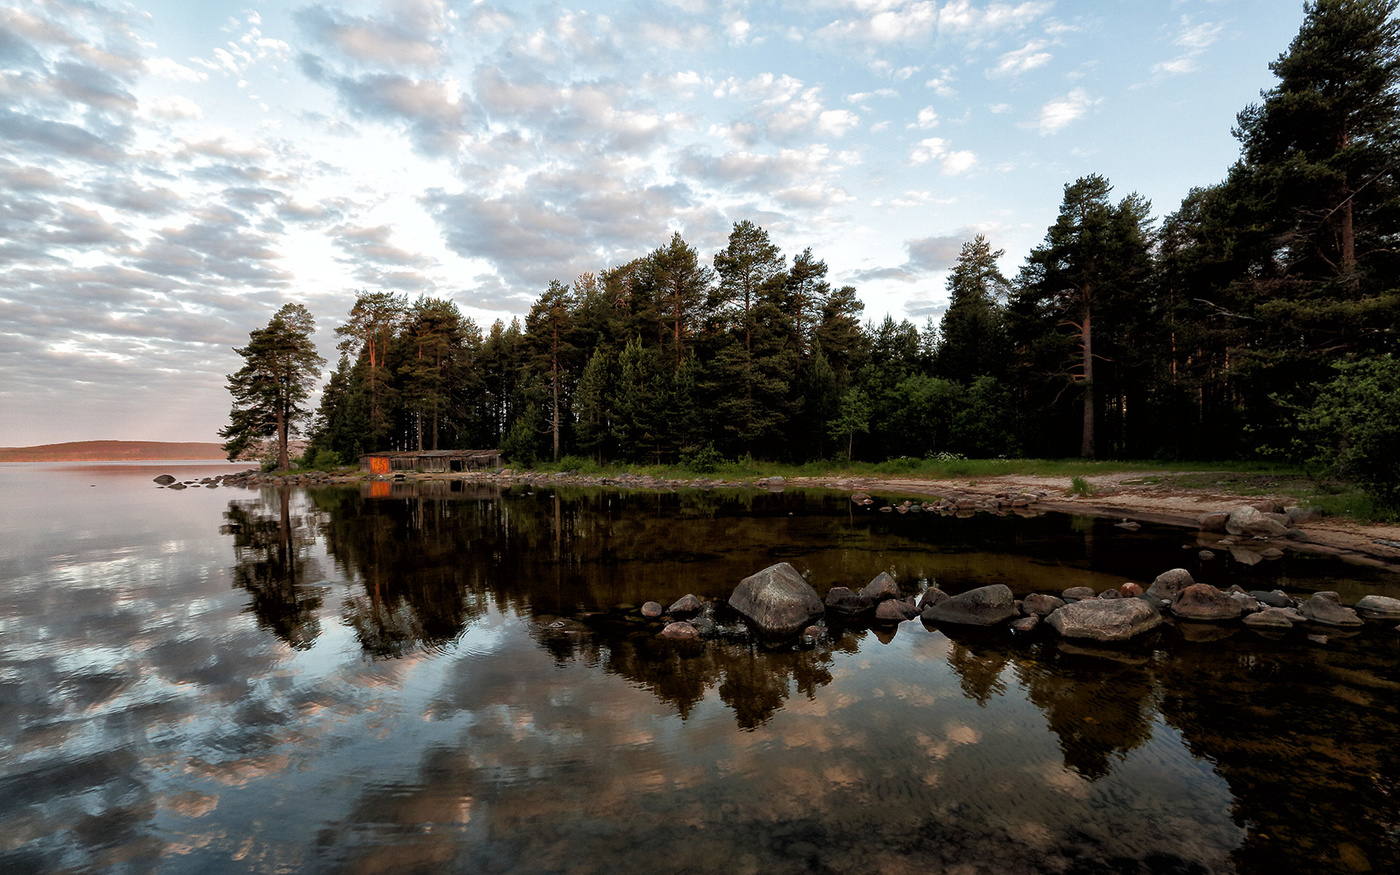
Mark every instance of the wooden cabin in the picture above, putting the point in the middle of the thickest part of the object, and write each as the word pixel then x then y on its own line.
pixel 430 461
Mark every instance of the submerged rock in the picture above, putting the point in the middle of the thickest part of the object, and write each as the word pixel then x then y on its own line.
pixel 843 601
pixel 1274 599
pixel 1079 592
pixel 1104 620
pixel 895 611
pixel 1041 605
pixel 777 600
pixel 1274 618
pixel 932 596
pixel 680 631
pixel 983 606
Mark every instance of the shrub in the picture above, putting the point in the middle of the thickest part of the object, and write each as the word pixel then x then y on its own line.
pixel 1079 486
pixel 898 464
pixel 326 460
pixel 1354 426
pixel 705 460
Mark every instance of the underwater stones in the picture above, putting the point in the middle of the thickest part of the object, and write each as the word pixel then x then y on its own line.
pixel 680 631
pixel 1322 609
pixel 1041 605
pixel 651 610
pixel 777 600
pixel 1169 583
pixel 983 606
pixel 881 588
pixel 1203 602
pixel 685 606
pixel 1079 592
pixel 1026 624
pixel 1104 621
pixel 861 498
pixel 843 601
pixel 1379 607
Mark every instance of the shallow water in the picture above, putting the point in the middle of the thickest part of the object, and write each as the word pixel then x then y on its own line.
pixel 229 680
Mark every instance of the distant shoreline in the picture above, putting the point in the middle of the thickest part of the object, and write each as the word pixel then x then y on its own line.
pixel 114 451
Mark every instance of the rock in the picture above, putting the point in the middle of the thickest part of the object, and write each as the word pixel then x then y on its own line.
pixel 932 596
pixel 842 600
pixel 887 509
pixel 680 631
pixel 1245 556
pixel 983 606
pixel 1274 599
pixel 1379 607
pixel 1129 525
pixel 1079 592
pixel 1110 594
pixel 651 610
pixel 1169 583
pixel 1333 597
pixel 177 486
pixel 685 606
pixel 1201 601
pixel 1274 618
pixel 1026 624
pixel 777 600
pixel 895 611
pixel 1318 639
pixel 811 633
pixel 881 588
pixel 1299 515
pixel 1247 603
pixel 1213 522
pixel 1249 520
pixel 859 498
pixel 165 480
pixel 1320 609
pixel 777 483
pixel 1130 590
pixel 1099 620
pixel 1041 605
pixel 1206 555
pixel 1271 553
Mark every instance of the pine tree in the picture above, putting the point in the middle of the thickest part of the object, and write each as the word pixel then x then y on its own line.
pixel 972 338
pixel 270 390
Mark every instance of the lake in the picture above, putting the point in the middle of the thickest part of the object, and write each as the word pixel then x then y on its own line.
pixel 457 678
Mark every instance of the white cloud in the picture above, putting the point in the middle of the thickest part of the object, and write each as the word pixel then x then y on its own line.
pixel 174 71
pixel 926 120
pixel 1194 39
pixel 1060 112
pixel 1028 57
pixel 174 107
pixel 936 149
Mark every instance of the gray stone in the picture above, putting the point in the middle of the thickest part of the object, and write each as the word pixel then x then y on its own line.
pixel 685 606
pixel 983 606
pixel 680 631
pixel 932 596
pixel 1320 609
pixel 1273 618
pixel 777 600
pixel 1110 594
pixel 1041 605
pixel 1201 601
pixel 842 600
pixel 1274 599
pixel 1379 607
pixel 1169 583
pixel 1206 555
pixel 1299 515
pixel 1079 592
pixel 651 610
pixel 1025 624
pixel 1253 522
pixel 1107 621
pixel 895 611
pixel 881 588
pixel 165 480
pixel 1213 522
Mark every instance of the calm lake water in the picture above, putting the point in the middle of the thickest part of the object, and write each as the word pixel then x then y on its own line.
pixel 231 680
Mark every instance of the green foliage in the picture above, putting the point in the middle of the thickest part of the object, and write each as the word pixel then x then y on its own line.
pixel 898 465
pixel 326 460
pixel 705 460
pixel 521 446
pixel 280 367
pixel 1079 486
pixel 1353 428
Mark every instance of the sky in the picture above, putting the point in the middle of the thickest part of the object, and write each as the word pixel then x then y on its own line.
pixel 171 172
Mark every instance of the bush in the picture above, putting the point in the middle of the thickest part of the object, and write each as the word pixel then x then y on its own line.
pixel 898 464
pixel 326 460
pixel 1353 427
pixel 705 460
pixel 1079 486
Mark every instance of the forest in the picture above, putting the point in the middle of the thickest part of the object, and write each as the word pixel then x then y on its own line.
pixel 1257 320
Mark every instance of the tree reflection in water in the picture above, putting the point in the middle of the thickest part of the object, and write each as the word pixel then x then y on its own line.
pixel 270 548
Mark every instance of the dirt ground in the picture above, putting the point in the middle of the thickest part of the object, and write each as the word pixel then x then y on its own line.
pixel 1133 496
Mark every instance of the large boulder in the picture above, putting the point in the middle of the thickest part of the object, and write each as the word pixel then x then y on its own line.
pixel 686 606
pixel 932 596
pixel 881 588
pixel 1104 620
pixel 777 600
pixel 1379 607
pixel 895 611
pixel 1201 601
pixel 1323 608
pixel 984 606
pixel 1252 522
pixel 1213 522
pixel 1169 583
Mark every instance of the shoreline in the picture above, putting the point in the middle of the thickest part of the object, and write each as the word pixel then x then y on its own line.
pixel 1114 497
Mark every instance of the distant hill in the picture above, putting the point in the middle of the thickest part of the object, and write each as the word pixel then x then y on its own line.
pixel 111 451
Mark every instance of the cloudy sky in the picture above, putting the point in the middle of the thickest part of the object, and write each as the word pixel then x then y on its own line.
pixel 171 172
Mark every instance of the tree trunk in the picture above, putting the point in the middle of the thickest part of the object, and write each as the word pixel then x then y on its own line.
pixel 556 410
pixel 283 461
pixel 1086 339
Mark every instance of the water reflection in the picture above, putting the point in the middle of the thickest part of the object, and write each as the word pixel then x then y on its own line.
pixel 271 549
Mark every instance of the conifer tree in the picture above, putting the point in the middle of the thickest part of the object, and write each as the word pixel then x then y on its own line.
pixel 280 367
